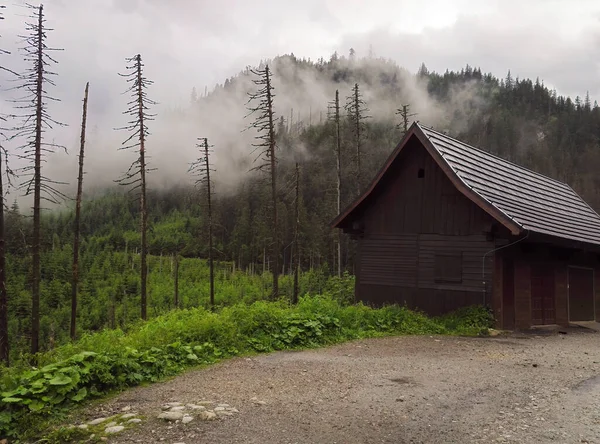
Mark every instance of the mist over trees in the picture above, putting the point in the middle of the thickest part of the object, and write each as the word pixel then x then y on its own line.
pixel 116 258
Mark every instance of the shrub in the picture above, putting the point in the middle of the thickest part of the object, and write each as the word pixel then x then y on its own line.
pixel 113 360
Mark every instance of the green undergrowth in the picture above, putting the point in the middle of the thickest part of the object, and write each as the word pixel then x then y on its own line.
pixel 112 360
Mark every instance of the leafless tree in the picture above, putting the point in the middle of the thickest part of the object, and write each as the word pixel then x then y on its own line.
pixel 32 108
pixel 139 111
pixel 4 170
pixel 260 104
pixel 405 114
pixel 202 169
pixel 336 118
pixel 357 109
pixel 296 257
pixel 75 275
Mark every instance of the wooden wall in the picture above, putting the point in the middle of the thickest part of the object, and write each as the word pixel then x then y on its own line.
pixel 415 213
pixel 513 298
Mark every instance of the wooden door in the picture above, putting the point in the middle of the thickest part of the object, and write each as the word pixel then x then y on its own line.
pixel 542 295
pixel 581 294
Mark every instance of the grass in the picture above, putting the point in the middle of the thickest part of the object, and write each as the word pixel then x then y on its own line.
pixel 102 363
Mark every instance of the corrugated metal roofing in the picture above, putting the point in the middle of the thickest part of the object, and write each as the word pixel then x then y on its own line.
pixel 535 202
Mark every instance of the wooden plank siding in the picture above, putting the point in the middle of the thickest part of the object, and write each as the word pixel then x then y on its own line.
pixel 411 218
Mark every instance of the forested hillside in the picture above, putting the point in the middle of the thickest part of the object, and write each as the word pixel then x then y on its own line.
pixel 519 119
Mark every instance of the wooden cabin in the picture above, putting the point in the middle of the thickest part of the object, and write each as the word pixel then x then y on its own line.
pixel 445 225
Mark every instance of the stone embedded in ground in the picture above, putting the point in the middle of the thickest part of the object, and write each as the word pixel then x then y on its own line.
pixel 205 403
pixel 219 409
pixel 174 404
pixel 134 421
pixel 128 415
pixel 196 407
pixel 207 416
pixel 126 408
pixel 233 410
pixel 165 407
pixel 187 419
pixel 114 429
pixel 256 401
pixel 223 413
pixel 178 408
pixel 171 416
pixel 97 421
pixel 111 424
pixel 82 426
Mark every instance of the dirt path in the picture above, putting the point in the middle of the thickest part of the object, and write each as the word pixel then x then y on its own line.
pixel 527 389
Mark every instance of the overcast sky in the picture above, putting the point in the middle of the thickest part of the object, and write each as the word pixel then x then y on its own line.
pixel 187 43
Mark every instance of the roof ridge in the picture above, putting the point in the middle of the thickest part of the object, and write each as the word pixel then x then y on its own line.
pixel 495 156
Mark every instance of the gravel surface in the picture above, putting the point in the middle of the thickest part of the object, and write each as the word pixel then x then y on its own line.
pixel 430 389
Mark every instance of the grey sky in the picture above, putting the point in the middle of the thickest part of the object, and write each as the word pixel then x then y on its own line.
pixel 196 42
pixel 188 43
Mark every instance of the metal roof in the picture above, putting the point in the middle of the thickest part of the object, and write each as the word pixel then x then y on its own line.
pixel 533 201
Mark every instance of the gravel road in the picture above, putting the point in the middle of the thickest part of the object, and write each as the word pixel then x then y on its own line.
pixel 431 389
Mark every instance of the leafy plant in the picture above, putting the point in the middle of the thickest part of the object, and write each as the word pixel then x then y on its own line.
pixel 113 360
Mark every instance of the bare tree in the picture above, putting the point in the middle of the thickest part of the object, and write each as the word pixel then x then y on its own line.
pixel 138 109
pixel 4 343
pixel 405 114
pixel 335 116
pixel 266 160
pixel 33 108
pixel 357 109
pixel 202 169
pixel 75 276
pixel 296 260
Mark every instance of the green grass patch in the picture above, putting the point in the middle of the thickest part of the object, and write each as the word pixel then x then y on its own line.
pixel 112 360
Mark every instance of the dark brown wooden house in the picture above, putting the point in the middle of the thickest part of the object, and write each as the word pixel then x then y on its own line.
pixel 445 225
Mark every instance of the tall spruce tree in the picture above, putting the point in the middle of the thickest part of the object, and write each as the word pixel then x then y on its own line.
pixel 260 104
pixel 139 110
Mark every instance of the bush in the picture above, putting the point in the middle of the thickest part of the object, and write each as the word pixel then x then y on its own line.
pixel 112 360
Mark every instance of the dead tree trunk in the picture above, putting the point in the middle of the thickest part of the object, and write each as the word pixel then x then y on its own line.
pixel 296 259
pixel 203 169
pixel 211 266
pixel 404 114
pixel 265 126
pixel 356 109
pixel 338 155
pixel 35 121
pixel 136 175
pixel 37 192
pixel 75 276
pixel 4 344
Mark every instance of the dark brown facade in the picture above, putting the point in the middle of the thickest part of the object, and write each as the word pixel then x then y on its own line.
pixel 429 240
